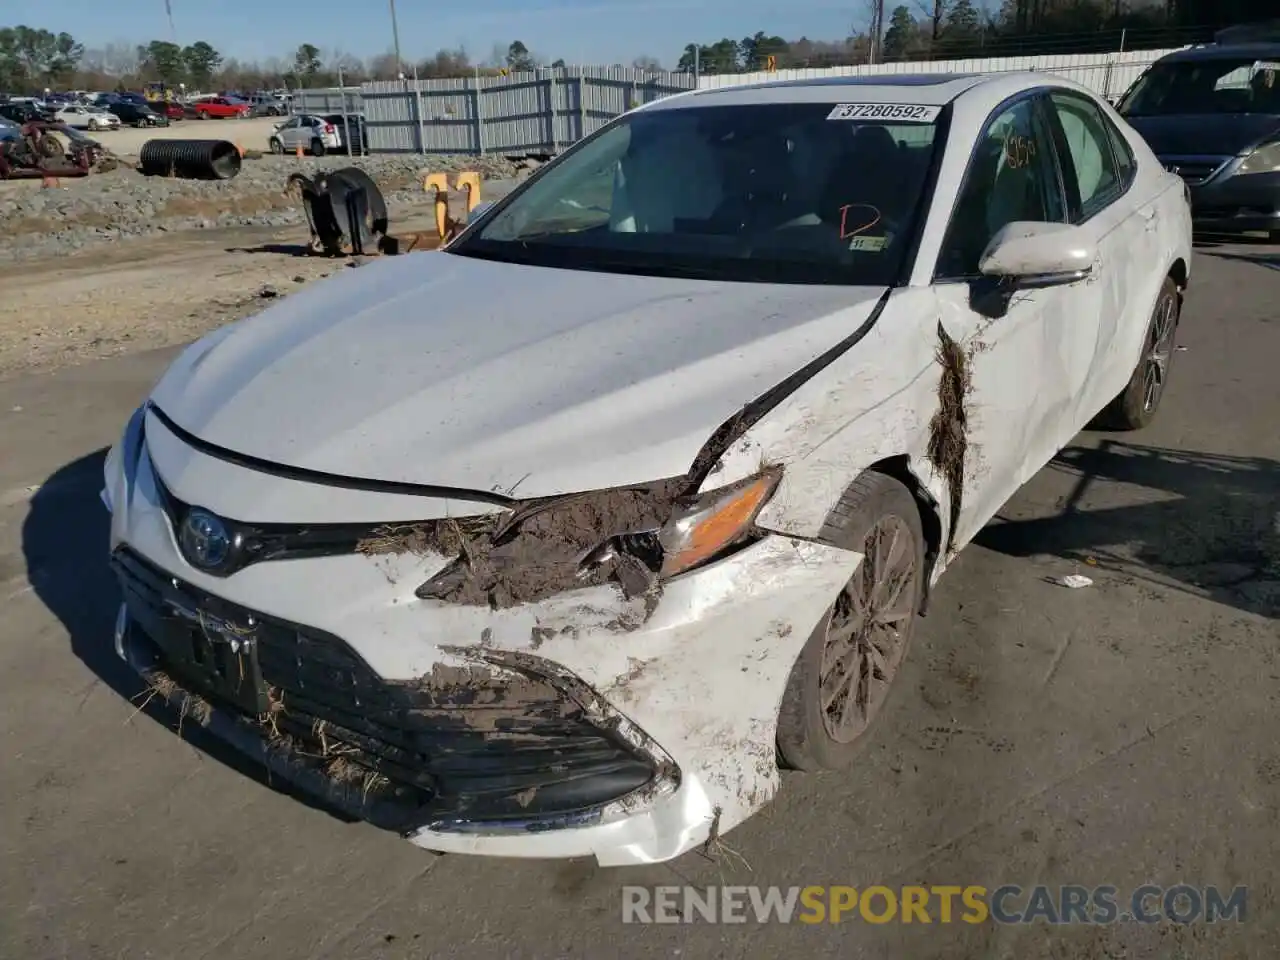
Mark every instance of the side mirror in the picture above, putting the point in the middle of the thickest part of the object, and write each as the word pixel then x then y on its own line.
pixel 1030 256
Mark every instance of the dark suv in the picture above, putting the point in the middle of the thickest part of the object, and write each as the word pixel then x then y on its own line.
pixel 1211 113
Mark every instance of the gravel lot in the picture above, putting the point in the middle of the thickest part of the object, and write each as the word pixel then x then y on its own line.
pixel 1119 734
pixel 122 204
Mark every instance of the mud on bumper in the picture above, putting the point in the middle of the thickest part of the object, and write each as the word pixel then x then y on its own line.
pixel 516 751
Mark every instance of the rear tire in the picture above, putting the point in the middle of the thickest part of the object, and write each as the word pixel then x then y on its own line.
pixel 317 148
pixel 1137 403
pixel 845 672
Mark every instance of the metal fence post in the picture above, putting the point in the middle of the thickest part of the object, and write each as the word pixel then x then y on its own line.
pixel 582 102
pixel 478 112
pixel 551 109
pixel 417 106
pixel 346 123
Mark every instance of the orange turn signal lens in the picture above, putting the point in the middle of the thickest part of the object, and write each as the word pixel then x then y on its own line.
pixel 714 522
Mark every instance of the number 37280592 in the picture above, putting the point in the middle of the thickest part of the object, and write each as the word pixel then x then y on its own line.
pixel 897 112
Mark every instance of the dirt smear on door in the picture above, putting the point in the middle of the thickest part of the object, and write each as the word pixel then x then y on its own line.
pixel 948 428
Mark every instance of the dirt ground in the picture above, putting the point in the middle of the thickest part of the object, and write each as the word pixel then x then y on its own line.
pixel 153 292
pixel 143 294
pixel 1119 734
pixel 250 134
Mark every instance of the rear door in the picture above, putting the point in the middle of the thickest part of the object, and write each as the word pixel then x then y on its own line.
pixel 1099 181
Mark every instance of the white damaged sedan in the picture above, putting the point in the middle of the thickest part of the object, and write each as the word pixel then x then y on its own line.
pixel 559 542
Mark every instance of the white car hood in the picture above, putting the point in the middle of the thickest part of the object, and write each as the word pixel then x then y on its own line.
pixel 450 371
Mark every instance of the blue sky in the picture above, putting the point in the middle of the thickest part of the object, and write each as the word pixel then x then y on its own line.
pixel 580 31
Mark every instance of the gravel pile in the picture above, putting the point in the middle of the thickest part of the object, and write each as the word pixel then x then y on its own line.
pixel 122 204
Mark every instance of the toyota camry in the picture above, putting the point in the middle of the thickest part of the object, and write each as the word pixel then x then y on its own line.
pixel 559 542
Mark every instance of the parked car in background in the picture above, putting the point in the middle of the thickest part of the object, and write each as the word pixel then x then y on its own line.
pixel 314 134
pixel 87 118
pixel 1212 115
pixel 169 109
pixel 572 586
pixel 353 137
pixel 262 105
pixel 25 111
pixel 138 114
pixel 220 108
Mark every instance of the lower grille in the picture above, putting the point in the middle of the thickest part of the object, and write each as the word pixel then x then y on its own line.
pixel 456 746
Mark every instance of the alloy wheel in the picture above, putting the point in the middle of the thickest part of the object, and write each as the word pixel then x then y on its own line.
pixel 1156 368
pixel 867 631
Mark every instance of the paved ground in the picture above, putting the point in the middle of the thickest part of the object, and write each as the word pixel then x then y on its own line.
pixel 1118 734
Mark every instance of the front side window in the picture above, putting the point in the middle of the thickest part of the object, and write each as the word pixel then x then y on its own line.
pixel 1084 129
pixel 761 192
pixel 1194 87
pixel 1013 176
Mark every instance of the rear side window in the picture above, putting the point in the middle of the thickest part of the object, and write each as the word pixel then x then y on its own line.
pixel 1125 162
pixel 1089 145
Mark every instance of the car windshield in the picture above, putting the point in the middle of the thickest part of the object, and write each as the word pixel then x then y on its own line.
pixel 1197 87
pixel 764 192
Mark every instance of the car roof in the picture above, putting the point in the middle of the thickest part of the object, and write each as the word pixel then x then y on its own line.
pixel 1224 51
pixel 929 89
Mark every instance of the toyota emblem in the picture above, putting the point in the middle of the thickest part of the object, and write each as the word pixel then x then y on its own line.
pixel 204 539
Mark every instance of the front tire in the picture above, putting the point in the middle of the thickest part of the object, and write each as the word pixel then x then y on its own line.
pixel 276 146
pixel 844 674
pixel 1137 403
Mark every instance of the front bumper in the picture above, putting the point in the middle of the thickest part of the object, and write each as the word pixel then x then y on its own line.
pixel 640 733
pixel 1226 203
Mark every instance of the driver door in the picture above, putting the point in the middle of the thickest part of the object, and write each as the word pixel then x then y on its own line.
pixel 1008 361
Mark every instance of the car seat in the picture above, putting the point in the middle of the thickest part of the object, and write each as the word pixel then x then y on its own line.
pixel 870 172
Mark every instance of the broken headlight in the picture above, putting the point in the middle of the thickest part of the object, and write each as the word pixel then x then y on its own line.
pixel 703 529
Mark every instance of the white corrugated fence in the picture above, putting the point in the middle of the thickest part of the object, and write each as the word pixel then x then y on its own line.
pixel 547 109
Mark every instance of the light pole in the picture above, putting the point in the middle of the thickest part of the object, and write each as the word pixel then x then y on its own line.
pixel 395 39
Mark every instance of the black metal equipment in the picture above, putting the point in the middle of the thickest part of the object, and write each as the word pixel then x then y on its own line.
pixel 190 159
pixel 345 210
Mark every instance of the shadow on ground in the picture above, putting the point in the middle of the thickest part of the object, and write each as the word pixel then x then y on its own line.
pixel 1271 260
pixel 1218 535
pixel 65 544
pixel 282 249
pixel 1262 252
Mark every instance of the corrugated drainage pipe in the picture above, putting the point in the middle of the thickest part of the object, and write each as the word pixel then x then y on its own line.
pixel 190 159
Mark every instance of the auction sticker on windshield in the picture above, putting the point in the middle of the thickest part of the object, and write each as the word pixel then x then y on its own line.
pixel 901 112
